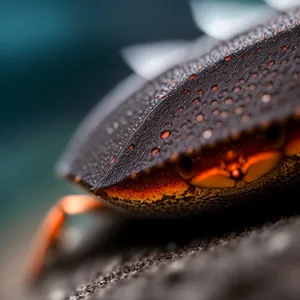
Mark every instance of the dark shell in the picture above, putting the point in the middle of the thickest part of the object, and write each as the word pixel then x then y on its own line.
pixel 241 84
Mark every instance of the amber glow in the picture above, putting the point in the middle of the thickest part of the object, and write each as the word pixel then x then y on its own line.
pixel 292 146
pixel 213 178
pixel 150 187
pixel 260 164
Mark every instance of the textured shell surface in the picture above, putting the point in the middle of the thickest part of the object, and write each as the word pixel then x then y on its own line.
pixel 240 84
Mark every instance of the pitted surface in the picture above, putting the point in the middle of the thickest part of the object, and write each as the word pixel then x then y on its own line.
pixel 239 85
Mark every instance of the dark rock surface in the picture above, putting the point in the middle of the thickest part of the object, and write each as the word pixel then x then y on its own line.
pixel 247 254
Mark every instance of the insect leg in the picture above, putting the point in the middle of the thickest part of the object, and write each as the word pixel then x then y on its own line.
pixel 50 228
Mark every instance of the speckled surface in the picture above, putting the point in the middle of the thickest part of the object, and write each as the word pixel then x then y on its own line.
pixel 247 254
pixel 264 61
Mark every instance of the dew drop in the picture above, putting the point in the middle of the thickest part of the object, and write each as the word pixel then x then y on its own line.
pixel 193 76
pixel 200 118
pixel 252 86
pixel 165 134
pixel 266 98
pixel 207 134
pixel 228 101
pixel 155 151
pixel 216 112
pixel 238 110
pixel 224 114
pixel 245 118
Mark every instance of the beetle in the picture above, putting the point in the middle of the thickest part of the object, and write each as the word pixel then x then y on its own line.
pixel 203 135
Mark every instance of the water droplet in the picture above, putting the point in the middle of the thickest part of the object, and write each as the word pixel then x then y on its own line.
pixel 193 76
pixel 266 98
pixel 200 92
pixel 238 110
pixel 155 151
pixel 214 88
pixel 207 134
pixel 245 118
pixel 228 101
pixel 224 114
pixel 200 118
pixel 109 130
pixel 216 112
pixel 165 134
pixel 131 147
pixel 129 113
pixel 228 57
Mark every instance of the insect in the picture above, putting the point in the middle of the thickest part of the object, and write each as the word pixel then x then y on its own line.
pixel 203 135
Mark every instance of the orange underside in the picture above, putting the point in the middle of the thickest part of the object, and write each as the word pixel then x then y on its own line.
pixel 216 168
pixel 150 187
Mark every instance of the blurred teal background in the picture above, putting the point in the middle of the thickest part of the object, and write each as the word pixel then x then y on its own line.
pixel 57 59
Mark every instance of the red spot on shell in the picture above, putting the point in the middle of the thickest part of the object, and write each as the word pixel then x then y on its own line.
pixel 113 160
pixel 131 147
pixel 193 76
pixel 271 63
pixel 228 57
pixel 165 134
pixel 258 50
pixel 245 56
pixel 155 151
pixel 200 92
pixel 214 88
pixel 196 100
pixel 180 109
pixel 284 48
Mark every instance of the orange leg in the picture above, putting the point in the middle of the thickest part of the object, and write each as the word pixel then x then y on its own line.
pixel 48 232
